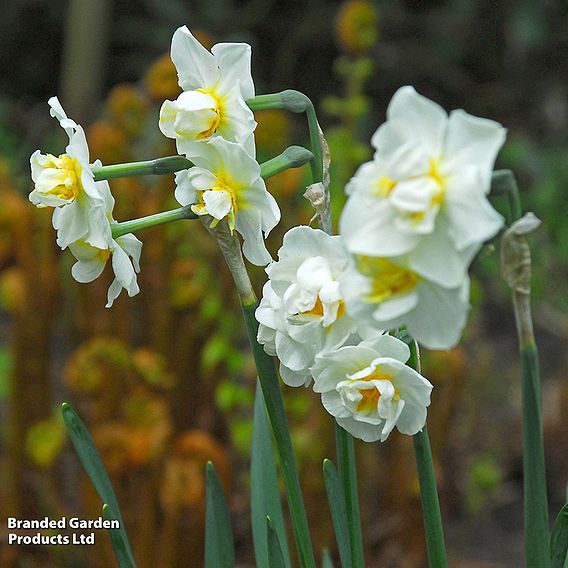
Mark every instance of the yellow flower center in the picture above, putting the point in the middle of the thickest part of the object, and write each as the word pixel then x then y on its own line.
pixel 436 175
pixel 370 396
pixel 385 185
pixel 224 184
pixel 217 113
pixel 65 182
pixel 387 278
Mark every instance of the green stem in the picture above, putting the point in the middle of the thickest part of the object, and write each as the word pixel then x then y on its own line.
pixel 296 102
pixel 503 182
pixel 159 166
pixel 120 229
pixel 348 476
pixel 534 471
pixel 269 383
pixel 292 157
pixel 437 557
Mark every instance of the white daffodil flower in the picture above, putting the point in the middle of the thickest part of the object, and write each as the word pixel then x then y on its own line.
pixel 67 183
pixel 125 252
pixel 302 311
pixel 388 294
pixel 216 85
pixel 369 389
pixel 226 184
pixel 425 192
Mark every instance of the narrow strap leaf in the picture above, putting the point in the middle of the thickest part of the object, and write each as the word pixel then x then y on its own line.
pixel 265 495
pixel 336 502
pixel 93 464
pixel 219 543
pixel 559 539
pixel 326 561
pixel 275 557
pixel 347 470
pixel 118 540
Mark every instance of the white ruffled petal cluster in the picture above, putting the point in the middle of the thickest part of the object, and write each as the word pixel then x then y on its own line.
pixel 83 211
pixel 216 85
pixel 416 216
pixel 370 390
pixel 302 311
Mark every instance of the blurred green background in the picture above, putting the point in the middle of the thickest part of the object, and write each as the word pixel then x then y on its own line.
pixel 164 380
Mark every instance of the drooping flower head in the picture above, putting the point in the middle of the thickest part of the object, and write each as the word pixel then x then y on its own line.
pixel 67 183
pixel 302 311
pixel 387 293
pixel 125 252
pixel 226 184
pixel 216 85
pixel 370 390
pixel 424 193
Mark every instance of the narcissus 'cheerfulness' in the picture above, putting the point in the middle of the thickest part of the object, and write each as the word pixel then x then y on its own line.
pixel 369 389
pixel 424 194
pixel 216 85
pixel 67 183
pixel 226 184
pixel 302 311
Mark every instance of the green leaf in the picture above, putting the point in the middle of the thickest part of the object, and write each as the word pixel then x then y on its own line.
pixel 347 470
pixel 559 539
pixel 326 561
pixel 275 557
pixel 95 469
pixel 118 540
pixel 338 510
pixel 219 544
pixel 279 422
pixel 265 495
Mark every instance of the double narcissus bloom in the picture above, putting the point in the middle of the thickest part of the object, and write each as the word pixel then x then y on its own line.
pixel 83 211
pixel 216 85
pixel 416 216
pixel 424 195
pixel 302 311
pixel 387 294
pixel 226 184
pixel 67 183
pixel 369 389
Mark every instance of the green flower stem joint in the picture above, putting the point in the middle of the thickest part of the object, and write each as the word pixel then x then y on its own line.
pixel 296 102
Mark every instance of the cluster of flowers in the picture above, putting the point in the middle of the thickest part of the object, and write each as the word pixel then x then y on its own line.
pixel 416 216
pixel 213 127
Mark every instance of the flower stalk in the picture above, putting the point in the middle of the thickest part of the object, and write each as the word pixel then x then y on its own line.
pixel 157 167
pixel 516 269
pixel 434 529
pixel 119 229
pixel 269 383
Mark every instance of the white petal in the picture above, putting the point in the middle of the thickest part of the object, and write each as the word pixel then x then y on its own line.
pixel 234 60
pixel 217 203
pixel 368 227
pixel 196 67
pixel 427 119
pixel 295 378
pixel 247 223
pixel 436 257
pixel 440 316
pixel 473 141
pixel 472 218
